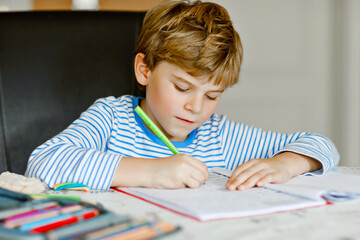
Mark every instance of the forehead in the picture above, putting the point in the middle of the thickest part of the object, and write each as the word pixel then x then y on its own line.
pixel 177 73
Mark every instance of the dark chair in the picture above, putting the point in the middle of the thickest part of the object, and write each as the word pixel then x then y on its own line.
pixel 53 66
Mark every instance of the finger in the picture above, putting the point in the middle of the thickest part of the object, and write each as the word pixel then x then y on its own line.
pixel 192 182
pixel 249 182
pixel 200 166
pixel 264 180
pixel 242 177
pixel 243 167
pixel 270 178
pixel 198 175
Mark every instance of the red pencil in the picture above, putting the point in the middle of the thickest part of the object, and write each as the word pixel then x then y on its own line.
pixel 72 219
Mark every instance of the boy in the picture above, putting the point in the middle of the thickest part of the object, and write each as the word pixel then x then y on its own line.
pixel 186 56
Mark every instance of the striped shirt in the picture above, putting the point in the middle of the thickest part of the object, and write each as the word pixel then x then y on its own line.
pixel 89 150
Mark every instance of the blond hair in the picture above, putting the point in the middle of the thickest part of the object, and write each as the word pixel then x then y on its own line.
pixel 197 36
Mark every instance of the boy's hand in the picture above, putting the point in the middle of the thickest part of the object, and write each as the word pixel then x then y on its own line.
pixel 178 171
pixel 279 169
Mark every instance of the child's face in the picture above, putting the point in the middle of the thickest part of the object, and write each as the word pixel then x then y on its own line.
pixel 178 102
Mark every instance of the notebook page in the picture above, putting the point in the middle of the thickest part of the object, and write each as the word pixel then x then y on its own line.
pixel 316 186
pixel 213 201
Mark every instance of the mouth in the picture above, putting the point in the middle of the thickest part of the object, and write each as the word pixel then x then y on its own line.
pixel 185 120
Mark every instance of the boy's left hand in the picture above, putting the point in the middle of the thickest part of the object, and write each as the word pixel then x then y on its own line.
pixel 279 169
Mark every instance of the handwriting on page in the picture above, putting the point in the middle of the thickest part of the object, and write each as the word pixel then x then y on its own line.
pixel 213 200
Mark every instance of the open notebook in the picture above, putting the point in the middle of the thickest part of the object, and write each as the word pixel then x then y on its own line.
pixel 213 201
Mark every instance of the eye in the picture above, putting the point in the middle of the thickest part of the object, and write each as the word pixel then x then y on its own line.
pixel 181 89
pixel 211 98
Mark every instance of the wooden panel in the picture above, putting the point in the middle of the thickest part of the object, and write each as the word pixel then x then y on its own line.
pixel 120 5
pixel 52 5
pixel 133 5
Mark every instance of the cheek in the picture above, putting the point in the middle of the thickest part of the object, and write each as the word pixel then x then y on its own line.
pixel 210 109
pixel 162 97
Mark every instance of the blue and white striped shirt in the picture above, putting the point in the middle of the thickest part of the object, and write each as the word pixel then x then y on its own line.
pixel 89 150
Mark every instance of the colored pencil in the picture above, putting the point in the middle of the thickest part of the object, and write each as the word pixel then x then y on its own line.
pixel 26 208
pixel 145 232
pixel 41 215
pixel 58 221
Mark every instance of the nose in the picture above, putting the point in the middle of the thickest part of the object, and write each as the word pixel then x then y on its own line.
pixel 194 103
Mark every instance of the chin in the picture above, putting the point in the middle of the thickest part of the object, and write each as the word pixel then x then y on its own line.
pixel 179 134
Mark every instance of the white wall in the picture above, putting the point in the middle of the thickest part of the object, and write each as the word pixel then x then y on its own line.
pixel 15 5
pixel 346 72
pixel 300 69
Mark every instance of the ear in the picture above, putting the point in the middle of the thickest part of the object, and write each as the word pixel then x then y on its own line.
pixel 141 69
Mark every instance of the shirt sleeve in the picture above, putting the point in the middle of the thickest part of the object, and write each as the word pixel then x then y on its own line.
pixel 242 142
pixel 78 154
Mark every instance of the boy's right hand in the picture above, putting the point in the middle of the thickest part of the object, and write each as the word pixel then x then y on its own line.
pixel 176 171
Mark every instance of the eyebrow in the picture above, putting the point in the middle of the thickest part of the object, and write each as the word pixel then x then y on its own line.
pixel 191 84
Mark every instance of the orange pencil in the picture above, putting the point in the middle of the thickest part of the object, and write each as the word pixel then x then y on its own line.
pixel 145 232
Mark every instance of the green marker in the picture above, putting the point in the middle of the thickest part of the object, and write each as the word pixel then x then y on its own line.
pixel 156 130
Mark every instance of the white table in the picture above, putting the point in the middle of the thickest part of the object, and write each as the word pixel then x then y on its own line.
pixel 340 221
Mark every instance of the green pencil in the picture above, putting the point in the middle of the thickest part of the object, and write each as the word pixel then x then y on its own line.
pixel 156 130
pixel 55 196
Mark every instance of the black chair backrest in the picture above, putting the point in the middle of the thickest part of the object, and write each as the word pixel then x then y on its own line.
pixel 53 66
